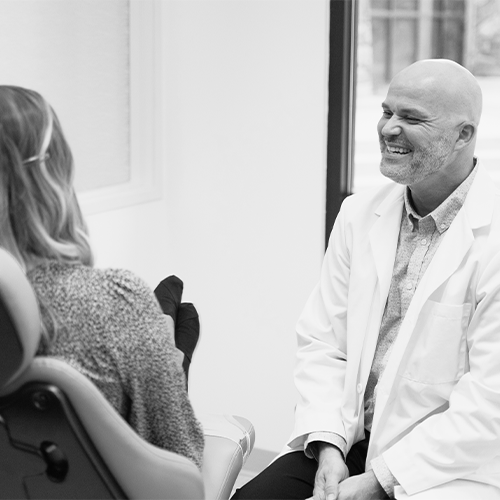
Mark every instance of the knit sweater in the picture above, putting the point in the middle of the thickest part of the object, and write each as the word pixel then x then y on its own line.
pixel 110 328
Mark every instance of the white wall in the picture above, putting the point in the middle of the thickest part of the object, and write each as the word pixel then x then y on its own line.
pixel 241 220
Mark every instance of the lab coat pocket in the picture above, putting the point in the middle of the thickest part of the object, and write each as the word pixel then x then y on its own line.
pixel 438 347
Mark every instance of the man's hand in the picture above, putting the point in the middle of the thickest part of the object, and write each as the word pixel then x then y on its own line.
pixel 331 471
pixel 362 487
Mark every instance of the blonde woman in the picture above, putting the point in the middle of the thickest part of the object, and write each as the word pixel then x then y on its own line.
pixel 105 323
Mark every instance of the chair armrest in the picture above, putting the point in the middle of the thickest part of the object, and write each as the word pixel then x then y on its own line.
pixel 228 442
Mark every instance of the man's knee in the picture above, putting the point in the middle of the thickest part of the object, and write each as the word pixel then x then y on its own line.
pixel 289 476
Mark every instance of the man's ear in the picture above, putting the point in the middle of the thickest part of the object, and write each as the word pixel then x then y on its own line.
pixel 466 133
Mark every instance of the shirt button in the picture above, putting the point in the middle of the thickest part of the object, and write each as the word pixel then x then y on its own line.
pixel 442 226
pixel 409 286
pixel 359 388
pixel 423 242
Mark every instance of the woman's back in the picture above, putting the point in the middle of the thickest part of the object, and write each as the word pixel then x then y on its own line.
pixel 110 327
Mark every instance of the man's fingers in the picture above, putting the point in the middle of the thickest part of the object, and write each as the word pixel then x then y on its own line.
pixel 331 490
pixel 322 495
pixel 326 490
pixel 318 493
pixel 331 470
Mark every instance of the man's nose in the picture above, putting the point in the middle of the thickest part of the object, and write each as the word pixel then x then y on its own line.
pixel 391 127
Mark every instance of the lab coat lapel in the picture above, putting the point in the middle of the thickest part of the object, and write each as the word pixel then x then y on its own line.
pixel 383 238
pixel 476 212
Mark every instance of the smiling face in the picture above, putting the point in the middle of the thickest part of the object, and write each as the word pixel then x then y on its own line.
pixel 428 129
pixel 417 136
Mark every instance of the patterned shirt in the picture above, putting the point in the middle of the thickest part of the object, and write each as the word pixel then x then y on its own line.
pixel 109 326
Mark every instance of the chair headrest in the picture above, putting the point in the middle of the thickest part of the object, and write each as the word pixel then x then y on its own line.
pixel 20 326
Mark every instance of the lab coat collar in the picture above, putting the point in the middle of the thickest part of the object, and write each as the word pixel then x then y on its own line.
pixel 476 212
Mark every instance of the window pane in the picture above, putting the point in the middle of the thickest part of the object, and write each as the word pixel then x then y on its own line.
pixel 381 4
pixel 406 4
pixel 467 31
pixel 403 29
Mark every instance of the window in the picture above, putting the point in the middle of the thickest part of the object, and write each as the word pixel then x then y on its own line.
pixel 97 63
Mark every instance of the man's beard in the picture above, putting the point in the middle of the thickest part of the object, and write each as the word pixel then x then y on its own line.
pixel 423 163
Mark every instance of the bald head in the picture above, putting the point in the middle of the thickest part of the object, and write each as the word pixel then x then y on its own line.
pixel 447 85
pixel 428 129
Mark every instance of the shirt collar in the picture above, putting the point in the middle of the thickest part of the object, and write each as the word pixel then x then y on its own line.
pixel 444 214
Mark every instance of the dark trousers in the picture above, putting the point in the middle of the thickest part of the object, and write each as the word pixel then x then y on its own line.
pixel 292 475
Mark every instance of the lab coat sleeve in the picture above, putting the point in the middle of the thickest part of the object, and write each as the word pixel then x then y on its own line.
pixel 455 443
pixel 321 337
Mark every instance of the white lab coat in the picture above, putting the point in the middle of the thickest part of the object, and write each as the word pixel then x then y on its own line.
pixel 437 414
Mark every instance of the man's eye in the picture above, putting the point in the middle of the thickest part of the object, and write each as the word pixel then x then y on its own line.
pixel 386 114
pixel 412 120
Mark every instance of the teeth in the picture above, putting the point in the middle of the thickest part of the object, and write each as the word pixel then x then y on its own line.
pixel 402 151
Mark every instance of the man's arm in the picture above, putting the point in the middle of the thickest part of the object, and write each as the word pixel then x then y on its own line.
pixel 384 475
pixel 321 337
pixel 310 445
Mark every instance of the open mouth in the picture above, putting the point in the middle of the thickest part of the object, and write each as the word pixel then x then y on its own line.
pixel 397 150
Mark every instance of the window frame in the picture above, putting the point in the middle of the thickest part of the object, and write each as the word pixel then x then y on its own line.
pixel 341 107
pixel 145 181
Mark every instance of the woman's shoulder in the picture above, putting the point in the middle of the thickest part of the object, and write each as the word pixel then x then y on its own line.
pixel 94 285
pixel 113 309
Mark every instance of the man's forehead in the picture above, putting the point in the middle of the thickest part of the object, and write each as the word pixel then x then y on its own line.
pixel 427 91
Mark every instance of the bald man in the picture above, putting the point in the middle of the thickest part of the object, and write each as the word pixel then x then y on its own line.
pixel 398 368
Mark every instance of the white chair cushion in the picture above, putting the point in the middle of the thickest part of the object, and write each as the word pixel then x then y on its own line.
pixel 20 300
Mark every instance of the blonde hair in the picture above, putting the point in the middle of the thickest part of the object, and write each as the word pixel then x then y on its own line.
pixel 40 218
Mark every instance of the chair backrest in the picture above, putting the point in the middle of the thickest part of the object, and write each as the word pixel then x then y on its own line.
pixel 19 320
pixel 59 436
